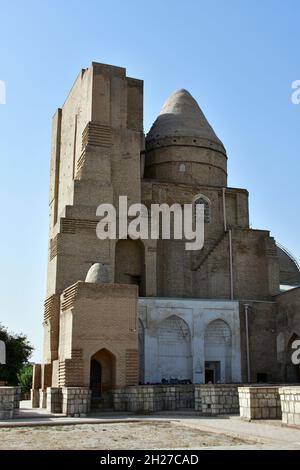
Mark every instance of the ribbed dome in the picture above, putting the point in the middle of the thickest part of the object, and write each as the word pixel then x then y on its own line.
pixel 181 116
pixel 97 274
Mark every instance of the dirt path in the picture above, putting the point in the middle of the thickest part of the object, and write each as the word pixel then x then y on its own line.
pixel 146 435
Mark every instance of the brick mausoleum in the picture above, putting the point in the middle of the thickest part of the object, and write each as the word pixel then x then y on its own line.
pixel 120 313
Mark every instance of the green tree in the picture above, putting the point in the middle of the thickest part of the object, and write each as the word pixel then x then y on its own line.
pixel 25 378
pixel 18 352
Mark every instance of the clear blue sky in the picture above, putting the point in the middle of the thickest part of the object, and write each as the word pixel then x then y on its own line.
pixel 238 58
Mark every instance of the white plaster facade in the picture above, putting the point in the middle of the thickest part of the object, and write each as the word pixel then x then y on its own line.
pixel 182 337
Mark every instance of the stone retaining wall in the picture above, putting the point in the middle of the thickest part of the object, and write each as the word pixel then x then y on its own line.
pixel 151 398
pixel 217 399
pixel 290 405
pixel 76 401
pixel 54 400
pixel 259 402
pixel 9 401
pixel 35 398
pixel 43 398
pixel 206 399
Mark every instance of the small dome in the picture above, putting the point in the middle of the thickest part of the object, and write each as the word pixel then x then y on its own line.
pixel 97 274
pixel 289 267
pixel 181 116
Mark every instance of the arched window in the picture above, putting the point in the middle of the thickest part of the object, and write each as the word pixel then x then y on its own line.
pixel 201 199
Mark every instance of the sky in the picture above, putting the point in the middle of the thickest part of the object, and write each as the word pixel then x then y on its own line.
pixel 238 58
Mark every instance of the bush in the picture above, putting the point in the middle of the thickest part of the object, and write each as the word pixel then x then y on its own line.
pixel 25 378
pixel 18 352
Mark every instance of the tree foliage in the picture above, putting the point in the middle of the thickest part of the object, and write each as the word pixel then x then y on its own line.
pixel 18 352
pixel 25 378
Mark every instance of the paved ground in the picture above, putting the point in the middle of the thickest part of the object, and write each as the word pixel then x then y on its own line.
pixel 177 430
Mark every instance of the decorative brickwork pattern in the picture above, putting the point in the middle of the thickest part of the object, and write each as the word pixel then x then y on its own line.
pixel 132 366
pixel 71 370
pixel 97 134
pixel 51 307
pixel 53 248
pixel 69 297
pixel 69 225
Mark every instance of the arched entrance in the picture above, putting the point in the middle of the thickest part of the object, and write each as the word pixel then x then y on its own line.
pixel 95 378
pixel 174 350
pixel 218 352
pixel 102 378
pixel 130 264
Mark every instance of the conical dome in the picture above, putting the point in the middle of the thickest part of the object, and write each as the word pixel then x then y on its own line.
pixel 182 147
pixel 181 116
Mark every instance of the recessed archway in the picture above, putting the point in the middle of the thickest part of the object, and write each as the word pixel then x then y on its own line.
pixel 102 377
pixel 218 352
pixel 174 350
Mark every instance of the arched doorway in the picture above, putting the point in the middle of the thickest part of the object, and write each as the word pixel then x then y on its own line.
pixel 102 378
pixel 218 352
pixel 130 264
pixel 292 370
pixel 174 350
pixel 95 379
